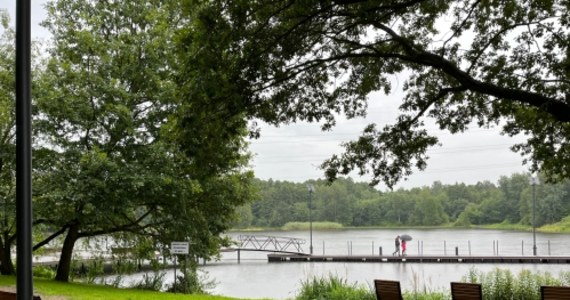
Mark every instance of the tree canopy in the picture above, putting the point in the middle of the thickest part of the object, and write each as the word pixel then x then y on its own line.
pixel 483 63
pixel 7 143
pixel 107 115
pixel 357 204
pixel 8 135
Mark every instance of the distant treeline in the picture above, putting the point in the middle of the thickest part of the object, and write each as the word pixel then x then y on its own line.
pixel 357 204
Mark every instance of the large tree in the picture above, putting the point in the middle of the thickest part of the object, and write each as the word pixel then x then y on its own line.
pixel 7 144
pixel 487 63
pixel 8 136
pixel 107 111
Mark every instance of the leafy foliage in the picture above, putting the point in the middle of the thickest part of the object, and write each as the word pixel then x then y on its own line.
pixel 109 112
pixel 482 63
pixel 7 142
pixel 46 272
pixel 191 281
pixel 8 134
pixel 285 204
pixel 151 282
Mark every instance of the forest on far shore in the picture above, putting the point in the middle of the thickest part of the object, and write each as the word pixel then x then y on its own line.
pixel 352 203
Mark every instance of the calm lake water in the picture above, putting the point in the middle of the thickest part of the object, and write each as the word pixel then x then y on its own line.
pixel 254 277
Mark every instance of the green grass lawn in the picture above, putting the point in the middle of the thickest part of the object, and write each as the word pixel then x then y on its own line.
pixel 77 291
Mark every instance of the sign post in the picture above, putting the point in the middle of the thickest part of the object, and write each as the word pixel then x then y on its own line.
pixel 178 248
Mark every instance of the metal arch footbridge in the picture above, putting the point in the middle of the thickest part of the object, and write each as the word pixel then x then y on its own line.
pixel 265 243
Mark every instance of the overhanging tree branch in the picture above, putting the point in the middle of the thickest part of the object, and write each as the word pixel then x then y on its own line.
pixel 50 238
pixel 442 93
pixel 555 107
pixel 130 225
pixel 460 27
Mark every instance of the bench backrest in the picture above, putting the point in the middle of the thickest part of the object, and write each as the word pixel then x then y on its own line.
pixel 387 290
pixel 466 291
pixel 12 296
pixel 555 292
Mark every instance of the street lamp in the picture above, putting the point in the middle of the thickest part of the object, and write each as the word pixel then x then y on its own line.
pixel 311 189
pixel 534 183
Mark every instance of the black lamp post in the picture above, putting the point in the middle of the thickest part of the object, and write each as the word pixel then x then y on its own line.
pixel 534 183
pixel 24 284
pixel 311 189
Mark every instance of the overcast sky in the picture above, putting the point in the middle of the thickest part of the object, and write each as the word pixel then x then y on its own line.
pixel 294 152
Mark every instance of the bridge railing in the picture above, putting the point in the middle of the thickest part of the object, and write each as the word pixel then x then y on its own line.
pixel 271 243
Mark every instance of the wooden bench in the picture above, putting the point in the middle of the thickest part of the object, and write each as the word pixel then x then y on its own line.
pixel 466 291
pixel 555 292
pixel 12 296
pixel 387 290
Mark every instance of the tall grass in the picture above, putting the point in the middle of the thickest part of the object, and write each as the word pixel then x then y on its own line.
pixel 421 291
pixel 506 226
pixel 502 284
pixel 562 226
pixel 426 295
pixel 498 284
pixel 316 226
pixel 333 288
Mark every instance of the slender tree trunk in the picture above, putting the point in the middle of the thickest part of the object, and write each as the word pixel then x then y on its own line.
pixel 64 266
pixel 6 267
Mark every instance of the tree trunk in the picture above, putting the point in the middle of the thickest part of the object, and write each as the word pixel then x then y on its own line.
pixel 64 265
pixel 6 267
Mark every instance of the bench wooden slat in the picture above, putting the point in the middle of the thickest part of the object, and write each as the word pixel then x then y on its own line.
pixel 555 292
pixel 466 291
pixel 13 296
pixel 387 290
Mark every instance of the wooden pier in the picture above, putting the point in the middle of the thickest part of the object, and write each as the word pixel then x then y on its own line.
pixel 420 259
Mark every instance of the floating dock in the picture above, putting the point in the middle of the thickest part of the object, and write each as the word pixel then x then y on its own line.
pixel 274 257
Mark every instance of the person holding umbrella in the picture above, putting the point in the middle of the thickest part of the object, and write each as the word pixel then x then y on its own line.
pixel 397 244
pixel 405 238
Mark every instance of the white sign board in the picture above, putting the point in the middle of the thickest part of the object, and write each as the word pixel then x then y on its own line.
pixel 179 248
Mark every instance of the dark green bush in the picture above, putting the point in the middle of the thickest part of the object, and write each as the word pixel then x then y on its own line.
pixel 151 282
pixel 43 272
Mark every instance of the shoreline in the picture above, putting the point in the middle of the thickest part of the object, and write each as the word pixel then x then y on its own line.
pixel 507 227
